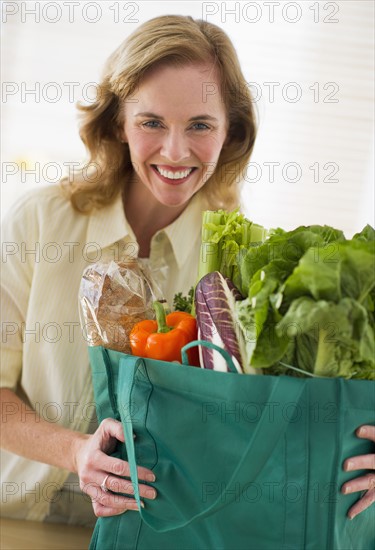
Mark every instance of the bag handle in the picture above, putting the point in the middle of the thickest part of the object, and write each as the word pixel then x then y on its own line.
pixel 227 356
pixel 282 393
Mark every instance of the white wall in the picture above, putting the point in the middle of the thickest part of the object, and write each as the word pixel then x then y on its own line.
pixel 317 58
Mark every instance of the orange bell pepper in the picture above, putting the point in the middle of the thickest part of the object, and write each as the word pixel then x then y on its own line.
pixel 164 337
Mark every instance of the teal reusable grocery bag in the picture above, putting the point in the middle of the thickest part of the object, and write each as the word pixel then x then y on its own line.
pixel 241 461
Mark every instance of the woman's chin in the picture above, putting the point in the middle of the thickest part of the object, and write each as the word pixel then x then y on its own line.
pixel 173 200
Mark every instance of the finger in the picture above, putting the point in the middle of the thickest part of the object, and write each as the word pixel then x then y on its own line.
pixel 367 500
pixel 103 511
pixel 109 500
pixel 366 432
pixel 360 462
pixel 362 483
pixel 121 468
pixel 118 485
pixel 108 429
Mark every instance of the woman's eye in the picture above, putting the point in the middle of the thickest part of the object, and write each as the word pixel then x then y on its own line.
pixel 151 124
pixel 200 126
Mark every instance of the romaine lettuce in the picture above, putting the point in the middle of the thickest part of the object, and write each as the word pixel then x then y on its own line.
pixel 309 303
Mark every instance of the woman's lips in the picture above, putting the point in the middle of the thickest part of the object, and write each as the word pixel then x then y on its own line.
pixel 173 175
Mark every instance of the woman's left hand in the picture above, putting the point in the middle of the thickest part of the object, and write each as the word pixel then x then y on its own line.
pixel 362 483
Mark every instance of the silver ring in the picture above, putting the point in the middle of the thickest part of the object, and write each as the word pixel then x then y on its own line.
pixel 103 485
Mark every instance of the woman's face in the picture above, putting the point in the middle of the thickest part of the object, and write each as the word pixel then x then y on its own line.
pixel 175 126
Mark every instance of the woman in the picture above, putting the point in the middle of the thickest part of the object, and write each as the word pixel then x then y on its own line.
pixel 169 136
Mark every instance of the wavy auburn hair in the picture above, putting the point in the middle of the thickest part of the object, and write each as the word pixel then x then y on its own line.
pixel 166 40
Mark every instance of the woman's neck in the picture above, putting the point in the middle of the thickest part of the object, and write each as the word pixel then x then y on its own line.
pixel 146 215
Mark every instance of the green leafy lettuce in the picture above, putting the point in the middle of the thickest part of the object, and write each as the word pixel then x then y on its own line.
pixel 309 302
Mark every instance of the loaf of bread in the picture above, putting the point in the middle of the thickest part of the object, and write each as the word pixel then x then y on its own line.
pixel 113 296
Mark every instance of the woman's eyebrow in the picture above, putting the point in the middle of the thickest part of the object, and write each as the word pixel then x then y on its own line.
pixel 203 117
pixel 151 115
pixel 192 119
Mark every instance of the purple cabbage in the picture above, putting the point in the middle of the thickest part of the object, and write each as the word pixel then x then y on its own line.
pixel 215 296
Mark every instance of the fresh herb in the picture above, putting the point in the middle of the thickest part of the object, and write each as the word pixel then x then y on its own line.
pixel 184 303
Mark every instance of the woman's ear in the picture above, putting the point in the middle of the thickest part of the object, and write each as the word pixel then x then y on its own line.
pixel 122 136
pixel 228 139
pixel 119 130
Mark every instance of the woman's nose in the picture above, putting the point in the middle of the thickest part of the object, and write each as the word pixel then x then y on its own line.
pixel 175 146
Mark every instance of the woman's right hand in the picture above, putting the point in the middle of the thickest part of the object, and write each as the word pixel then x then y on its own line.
pixel 94 466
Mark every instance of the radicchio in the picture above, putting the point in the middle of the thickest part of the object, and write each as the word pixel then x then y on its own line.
pixel 215 297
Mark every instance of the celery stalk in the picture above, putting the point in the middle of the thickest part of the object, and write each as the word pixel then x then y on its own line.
pixel 211 250
pixel 224 236
pixel 258 233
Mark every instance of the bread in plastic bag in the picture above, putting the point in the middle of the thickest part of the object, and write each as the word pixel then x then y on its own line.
pixel 113 296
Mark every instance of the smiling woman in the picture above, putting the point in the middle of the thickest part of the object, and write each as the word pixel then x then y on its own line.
pixel 170 132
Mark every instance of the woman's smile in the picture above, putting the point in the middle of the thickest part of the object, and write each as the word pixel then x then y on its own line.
pixel 173 175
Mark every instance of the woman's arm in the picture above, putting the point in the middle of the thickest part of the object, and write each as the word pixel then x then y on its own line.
pixel 25 433
pixel 362 483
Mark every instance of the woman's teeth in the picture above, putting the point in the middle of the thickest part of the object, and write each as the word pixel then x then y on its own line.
pixel 174 175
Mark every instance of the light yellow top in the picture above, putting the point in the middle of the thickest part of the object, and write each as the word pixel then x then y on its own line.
pixel 46 246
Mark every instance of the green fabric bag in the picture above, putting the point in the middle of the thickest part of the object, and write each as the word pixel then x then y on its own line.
pixel 241 461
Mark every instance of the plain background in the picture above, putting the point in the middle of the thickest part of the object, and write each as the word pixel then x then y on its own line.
pixel 309 64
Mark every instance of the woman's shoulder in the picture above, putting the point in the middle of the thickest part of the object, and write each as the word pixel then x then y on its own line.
pixel 48 202
pixel 41 198
pixel 37 210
